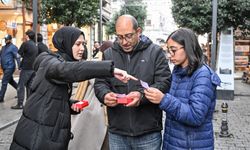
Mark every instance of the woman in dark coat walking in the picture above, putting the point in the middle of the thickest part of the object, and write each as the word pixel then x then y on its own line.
pixel 45 122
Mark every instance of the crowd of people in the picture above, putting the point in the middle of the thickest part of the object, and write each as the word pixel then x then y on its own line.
pixel 129 84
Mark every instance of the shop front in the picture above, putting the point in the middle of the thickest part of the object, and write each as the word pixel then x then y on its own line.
pixel 11 21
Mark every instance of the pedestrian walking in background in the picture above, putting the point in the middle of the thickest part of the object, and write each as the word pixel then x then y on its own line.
pixel 8 55
pixel 45 121
pixel 41 46
pixel 99 52
pixel 105 45
pixel 95 50
pixel 190 103
pixel 85 52
pixel 138 124
pixel 28 52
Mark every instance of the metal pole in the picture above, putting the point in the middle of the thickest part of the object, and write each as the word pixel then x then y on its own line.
pixel 100 22
pixel 35 18
pixel 214 35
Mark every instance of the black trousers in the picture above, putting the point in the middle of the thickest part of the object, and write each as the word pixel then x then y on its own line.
pixel 24 82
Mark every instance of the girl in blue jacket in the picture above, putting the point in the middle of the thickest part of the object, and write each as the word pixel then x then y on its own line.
pixel 190 103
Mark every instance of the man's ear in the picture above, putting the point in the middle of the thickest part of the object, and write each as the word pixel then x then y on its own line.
pixel 139 31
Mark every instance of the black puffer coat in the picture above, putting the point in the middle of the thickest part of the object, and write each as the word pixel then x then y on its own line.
pixel 45 122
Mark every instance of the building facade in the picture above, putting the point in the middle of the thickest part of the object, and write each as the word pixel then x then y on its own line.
pixel 14 20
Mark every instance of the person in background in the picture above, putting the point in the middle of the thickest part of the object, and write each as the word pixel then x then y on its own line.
pixel 101 49
pixel 95 49
pixel 105 45
pixel 45 121
pixel 41 46
pixel 138 124
pixel 85 52
pixel 28 51
pixel 205 53
pixel 8 55
pixel 190 103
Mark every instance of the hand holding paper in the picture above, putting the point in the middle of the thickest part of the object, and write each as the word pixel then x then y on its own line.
pixel 144 84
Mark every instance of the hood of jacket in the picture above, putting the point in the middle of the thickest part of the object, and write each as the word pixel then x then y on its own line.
pixel 179 71
pixel 143 43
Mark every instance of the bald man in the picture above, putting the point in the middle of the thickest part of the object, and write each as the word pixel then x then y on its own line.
pixel 138 124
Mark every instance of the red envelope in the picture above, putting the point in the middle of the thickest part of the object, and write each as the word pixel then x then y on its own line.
pixel 123 99
pixel 81 104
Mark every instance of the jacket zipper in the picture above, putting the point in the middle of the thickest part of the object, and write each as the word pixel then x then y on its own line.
pixel 130 114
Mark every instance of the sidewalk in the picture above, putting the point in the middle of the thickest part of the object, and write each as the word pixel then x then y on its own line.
pixel 9 116
pixel 238 120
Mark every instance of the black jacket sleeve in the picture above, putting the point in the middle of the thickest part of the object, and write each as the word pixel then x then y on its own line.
pixel 78 71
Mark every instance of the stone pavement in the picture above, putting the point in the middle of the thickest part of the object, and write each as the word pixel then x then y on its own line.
pixel 238 120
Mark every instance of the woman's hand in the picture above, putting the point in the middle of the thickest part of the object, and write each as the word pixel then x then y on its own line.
pixel 123 75
pixel 75 108
pixel 153 95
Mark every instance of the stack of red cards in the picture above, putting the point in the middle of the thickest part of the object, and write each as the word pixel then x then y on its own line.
pixel 81 104
pixel 123 99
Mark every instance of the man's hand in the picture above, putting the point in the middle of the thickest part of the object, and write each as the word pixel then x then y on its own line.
pixel 110 99
pixel 136 96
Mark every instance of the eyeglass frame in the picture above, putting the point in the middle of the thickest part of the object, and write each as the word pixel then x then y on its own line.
pixel 128 37
pixel 171 52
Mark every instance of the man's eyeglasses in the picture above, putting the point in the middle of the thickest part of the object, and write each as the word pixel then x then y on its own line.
pixel 128 37
pixel 172 50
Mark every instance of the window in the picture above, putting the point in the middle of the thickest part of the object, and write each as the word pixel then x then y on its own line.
pixel 148 22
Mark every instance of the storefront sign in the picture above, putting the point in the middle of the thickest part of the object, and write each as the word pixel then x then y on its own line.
pixel 7 4
pixel 3 25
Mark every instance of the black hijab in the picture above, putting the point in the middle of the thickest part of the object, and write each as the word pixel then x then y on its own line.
pixel 64 39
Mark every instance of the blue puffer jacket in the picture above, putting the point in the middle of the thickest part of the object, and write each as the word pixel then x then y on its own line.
pixel 189 108
pixel 8 55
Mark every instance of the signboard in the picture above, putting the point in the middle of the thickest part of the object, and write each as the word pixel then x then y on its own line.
pixel 7 4
pixel 3 25
pixel 225 63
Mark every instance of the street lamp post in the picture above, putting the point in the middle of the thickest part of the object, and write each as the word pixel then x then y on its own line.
pixel 214 34
pixel 35 18
pixel 100 23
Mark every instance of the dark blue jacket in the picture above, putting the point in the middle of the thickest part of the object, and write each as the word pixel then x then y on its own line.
pixel 8 55
pixel 189 108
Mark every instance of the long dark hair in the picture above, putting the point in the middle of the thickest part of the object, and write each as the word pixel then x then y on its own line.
pixel 188 39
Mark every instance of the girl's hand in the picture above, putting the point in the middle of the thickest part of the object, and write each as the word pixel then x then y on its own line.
pixel 153 95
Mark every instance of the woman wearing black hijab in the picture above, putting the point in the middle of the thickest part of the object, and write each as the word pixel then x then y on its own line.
pixel 45 122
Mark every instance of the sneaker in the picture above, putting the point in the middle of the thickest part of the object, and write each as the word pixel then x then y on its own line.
pixel 17 107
